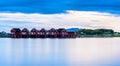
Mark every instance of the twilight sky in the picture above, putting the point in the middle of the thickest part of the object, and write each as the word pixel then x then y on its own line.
pixel 59 14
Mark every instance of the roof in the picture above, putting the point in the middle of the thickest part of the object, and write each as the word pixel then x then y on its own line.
pixel 59 30
pixel 25 29
pixel 17 29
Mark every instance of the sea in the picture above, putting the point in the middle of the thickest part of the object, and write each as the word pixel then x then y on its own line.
pixel 60 51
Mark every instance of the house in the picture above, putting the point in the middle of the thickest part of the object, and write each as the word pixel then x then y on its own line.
pixel 25 33
pixel 71 33
pixel 62 33
pixel 52 33
pixel 42 33
pixel 15 33
pixel 34 33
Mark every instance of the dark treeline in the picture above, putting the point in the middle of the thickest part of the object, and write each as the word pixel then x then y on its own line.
pixel 95 32
pixel 4 34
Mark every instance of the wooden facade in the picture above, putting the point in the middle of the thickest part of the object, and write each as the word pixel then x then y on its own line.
pixel 52 33
pixel 25 33
pixel 62 33
pixel 71 34
pixel 15 33
pixel 42 33
pixel 33 33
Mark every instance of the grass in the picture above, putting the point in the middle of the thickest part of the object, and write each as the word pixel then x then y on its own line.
pixel 116 35
pixel 102 35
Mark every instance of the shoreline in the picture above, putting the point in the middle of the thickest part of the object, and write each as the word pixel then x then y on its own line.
pixel 76 37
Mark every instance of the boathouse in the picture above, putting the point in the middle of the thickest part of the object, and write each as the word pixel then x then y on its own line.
pixel 15 33
pixel 52 33
pixel 42 33
pixel 71 33
pixel 62 33
pixel 34 33
pixel 25 33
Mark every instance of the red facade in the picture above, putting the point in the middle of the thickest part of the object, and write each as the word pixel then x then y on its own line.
pixel 62 33
pixel 33 33
pixel 42 33
pixel 25 33
pixel 15 33
pixel 71 34
pixel 53 33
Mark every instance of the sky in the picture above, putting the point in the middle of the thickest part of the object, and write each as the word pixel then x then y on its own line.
pixel 92 14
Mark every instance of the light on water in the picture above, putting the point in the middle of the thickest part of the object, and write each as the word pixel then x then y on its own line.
pixel 60 52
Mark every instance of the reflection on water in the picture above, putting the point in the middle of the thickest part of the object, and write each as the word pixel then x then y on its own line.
pixel 60 52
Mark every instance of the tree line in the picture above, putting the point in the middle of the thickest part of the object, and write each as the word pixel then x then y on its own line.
pixel 95 32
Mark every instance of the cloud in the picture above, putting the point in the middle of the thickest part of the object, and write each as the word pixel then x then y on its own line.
pixel 70 19
pixel 59 6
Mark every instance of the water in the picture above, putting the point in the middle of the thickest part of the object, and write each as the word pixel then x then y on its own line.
pixel 60 52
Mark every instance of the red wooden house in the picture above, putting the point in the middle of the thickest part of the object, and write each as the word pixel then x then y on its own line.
pixel 25 33
pixel 42 33
pixel 52 33
pixel 71 34
pixel 34 33
pixel 15 33
pixel 62 33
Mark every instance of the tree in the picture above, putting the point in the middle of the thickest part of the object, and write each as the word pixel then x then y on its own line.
pixel 95 32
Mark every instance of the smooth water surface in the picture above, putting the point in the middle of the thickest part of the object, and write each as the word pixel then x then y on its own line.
pixel 60 52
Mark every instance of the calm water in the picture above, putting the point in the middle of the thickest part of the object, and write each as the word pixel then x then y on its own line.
pixel 60 52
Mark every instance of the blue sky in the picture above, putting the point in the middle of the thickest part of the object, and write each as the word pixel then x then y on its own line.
pixel 57 13
pixel 59 6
